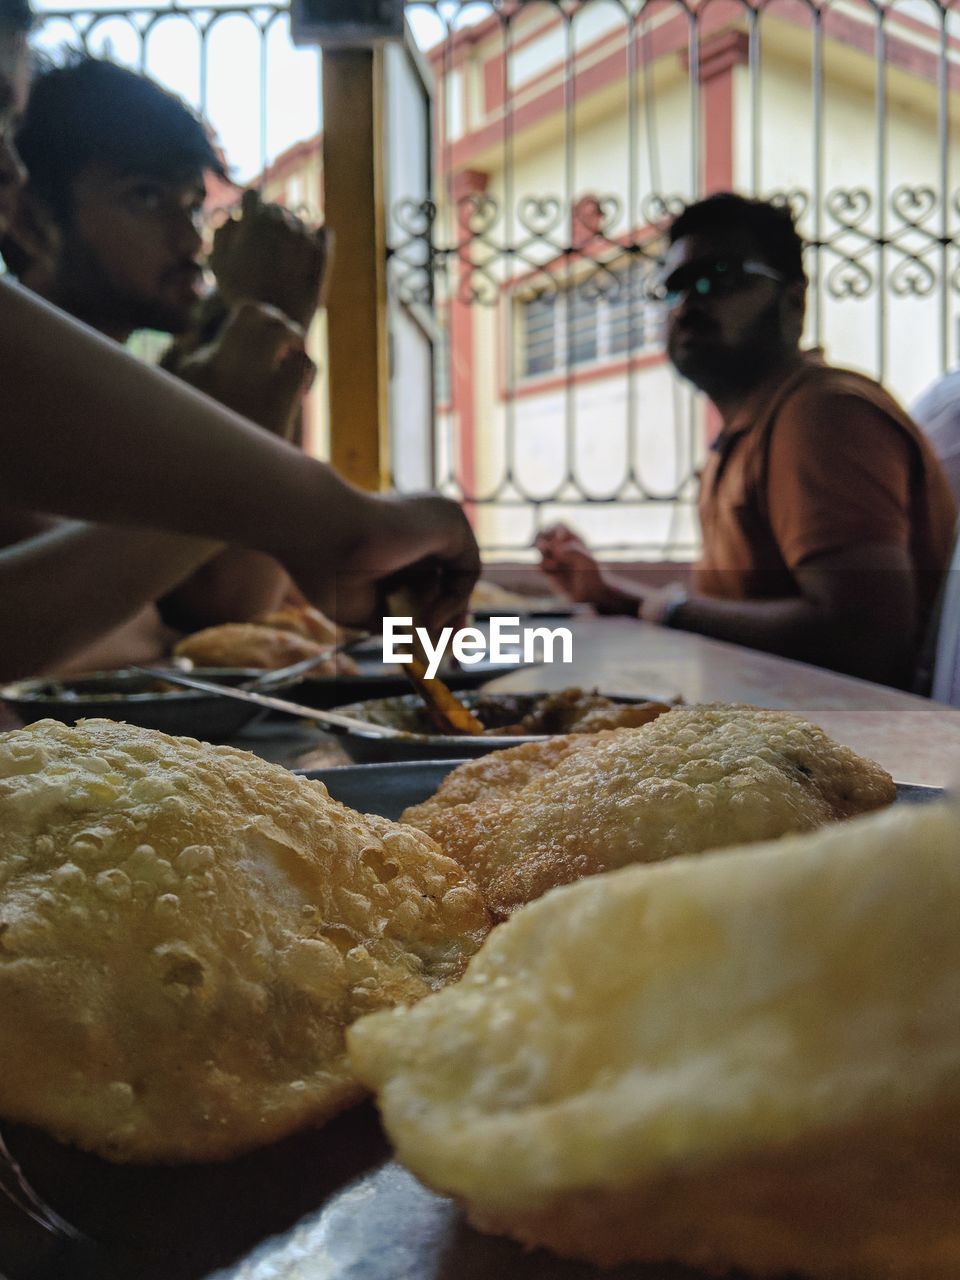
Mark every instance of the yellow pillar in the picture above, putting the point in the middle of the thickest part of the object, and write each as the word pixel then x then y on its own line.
pixel 353 178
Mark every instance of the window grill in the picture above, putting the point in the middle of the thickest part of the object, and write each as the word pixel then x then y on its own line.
pixel 565 133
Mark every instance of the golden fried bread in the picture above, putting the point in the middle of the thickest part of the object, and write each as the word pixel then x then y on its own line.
pixel 304 621
pixel 527 819
pixel 246 644
pixel 185 931
pixel 745 1060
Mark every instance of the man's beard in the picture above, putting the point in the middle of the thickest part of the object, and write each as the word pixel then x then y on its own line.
pixel 723 371
pixel 85 290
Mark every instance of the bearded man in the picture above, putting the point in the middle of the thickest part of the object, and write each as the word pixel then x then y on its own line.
pixel 827 520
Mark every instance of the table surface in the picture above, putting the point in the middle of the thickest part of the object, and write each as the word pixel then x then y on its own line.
pixel 916 739
pixel 332 1202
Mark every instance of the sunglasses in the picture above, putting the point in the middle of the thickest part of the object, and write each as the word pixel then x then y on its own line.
pixel 716 279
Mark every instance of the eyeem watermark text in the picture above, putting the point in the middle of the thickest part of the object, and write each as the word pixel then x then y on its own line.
pixel 505 643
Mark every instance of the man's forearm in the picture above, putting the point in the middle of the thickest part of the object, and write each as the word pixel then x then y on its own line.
pixel 798 628
pixel 234 586
pixel 98 435
pixel 66 588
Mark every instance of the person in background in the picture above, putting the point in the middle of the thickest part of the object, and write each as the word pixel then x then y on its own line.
pixel 88 432
pixel 938 412
pixel 108 227
pixel 826 519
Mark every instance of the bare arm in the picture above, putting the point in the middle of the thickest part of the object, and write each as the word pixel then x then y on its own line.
pixel 66 588
pixel 855 609
pixel 256 365
pixel 87 431
pixel 234 586
pixel 856 613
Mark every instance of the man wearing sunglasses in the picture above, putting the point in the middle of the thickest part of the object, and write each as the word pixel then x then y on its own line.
pixel 827 520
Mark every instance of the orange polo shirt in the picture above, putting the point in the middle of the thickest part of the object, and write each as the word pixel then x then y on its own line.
pixel 819 460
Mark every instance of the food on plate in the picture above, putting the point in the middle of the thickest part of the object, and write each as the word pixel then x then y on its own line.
pixel 569 711
pixel 524 820
pixel 248 644
pixel 749 1060
pixel 185 932
pixel 308 622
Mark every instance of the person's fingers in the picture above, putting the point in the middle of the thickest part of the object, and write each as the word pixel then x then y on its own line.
pixel 223 237
pixel 250 202
pixel 256 326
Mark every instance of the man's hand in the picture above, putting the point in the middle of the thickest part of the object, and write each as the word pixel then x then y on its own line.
pixel 268 255
pixel 257 365
pixel 422 542
pixel 572 568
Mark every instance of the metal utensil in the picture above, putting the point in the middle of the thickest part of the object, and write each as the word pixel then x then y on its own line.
pixel 269 703
pixel 281 675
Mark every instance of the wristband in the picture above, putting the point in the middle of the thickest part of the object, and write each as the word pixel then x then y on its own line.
pixel 673 607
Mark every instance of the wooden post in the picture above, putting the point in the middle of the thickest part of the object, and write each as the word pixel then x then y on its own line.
pixel 353 178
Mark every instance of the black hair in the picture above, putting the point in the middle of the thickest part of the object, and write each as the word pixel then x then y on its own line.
pixel 770 225
pixel 92 111
pixel 16 16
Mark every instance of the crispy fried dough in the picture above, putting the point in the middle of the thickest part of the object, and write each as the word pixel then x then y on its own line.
pixel 304 620
pixel 252 644
pixel 185 931
pixel 746 1060
pixel 527 819
pixel 245 644
pixel 309 622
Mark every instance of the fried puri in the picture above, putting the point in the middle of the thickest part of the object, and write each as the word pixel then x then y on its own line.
pixel 533 817
pixel 252 644
pixel 746 1060
pixel 185 932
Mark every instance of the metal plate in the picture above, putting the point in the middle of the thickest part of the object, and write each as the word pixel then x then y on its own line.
pixel 407 712
pixel 377 680
pixel 323 1205
pixel 388 789
pixel 131 697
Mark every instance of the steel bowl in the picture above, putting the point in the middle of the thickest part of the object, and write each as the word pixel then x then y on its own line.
pixel 134 698
pixel 422 742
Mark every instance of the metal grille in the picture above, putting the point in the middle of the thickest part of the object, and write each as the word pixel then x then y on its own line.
pixel 226 60
pixel 565 134
pixel 843 109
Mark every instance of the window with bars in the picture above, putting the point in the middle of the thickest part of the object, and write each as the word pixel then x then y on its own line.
pixel 605 318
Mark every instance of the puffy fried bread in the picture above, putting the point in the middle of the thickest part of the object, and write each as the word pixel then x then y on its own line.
pixel 305 621
pixel 485 785
pixel 527 819
pixel 185 931
pixel 246 644
pixel 746 1060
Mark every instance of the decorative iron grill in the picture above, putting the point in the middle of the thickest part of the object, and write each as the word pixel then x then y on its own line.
pixel 566 132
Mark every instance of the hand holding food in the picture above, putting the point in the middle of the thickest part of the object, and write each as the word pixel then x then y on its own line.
pixel 256 365
pixel 421 541
pixel 566 560
pixel 270 255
